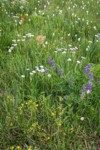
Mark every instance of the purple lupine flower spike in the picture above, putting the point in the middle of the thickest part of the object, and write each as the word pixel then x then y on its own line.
pixel 87 68
pixel 60 71
pixel 90 75
pixel 51 62
pixel 89 86
pixel 83 88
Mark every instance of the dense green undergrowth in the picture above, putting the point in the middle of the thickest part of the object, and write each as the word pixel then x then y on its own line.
pixel 49 75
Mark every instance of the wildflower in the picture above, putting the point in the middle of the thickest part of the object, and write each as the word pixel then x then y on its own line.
pixel 83 57
pixel 59 124
pixel 18 148
pixel 29 35
pixel 40 38
pixel 18 40
pixel 45 7
pixel 64 52
pixel 56 52
pixel 45 71
pixel 53 34
pixel 90 41
pixel 48 138
pixel 82 118
pixel 87 68
pixel 89 86
pixel 23 40
pixel 37 68
pixel 14 41
pixel 78 62
pixel 60 71
pixel 23 1
pixel 36 105
pixel 9 50
pixel 20 22
pixel 41 67
pixel 22 19
pixel 51 62
pixel 33 71
pixel 23 76
pixel 46 43
pixel 26 14
pixel 95 28
pixel 79 39
pixel 49 75
pixel 75 35
pixel 12 148
pixel 27 69
pixel 24 36
pixel 82 19
pixel 29 148
pixel 71 129
pixel 52 114
pixel 88 91
pixel 69 59
pixel 70 45
pixel 42 70
pixel 87 49
pixel 83 88
pixel 90 75
pixel 68 34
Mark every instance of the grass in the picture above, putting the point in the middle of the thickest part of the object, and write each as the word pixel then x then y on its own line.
pixel 49 75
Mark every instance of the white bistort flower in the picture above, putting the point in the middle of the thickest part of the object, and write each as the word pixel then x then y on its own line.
pixel 69 59
pixel 49 75
pixel 78 62
pixel 82 118
pixel 22 76
pixel 33 71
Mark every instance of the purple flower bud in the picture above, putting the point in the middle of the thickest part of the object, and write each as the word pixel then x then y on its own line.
pixel 45 71
pixel 84 88
pixel 51 62
pixel 54 66
pixel 87 68
pixel 89 86
pixel 90 75
pixel 60 71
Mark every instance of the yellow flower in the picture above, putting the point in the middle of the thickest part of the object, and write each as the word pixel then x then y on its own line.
pixel 11 124
pixel 48 138
pixel 71 129
pixel 52 114
pixel 29 148
pixel 36 105
pixel 11 148
pixel 59 124
pixel 16 118
pixel 26 14
pixel 18 148
pixel 34 124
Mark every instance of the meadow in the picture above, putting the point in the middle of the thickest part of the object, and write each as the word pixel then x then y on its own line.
pixel 49 75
